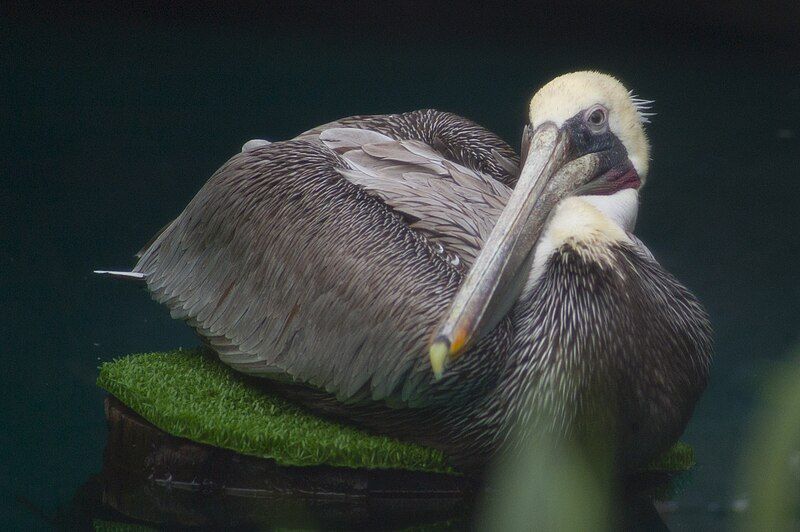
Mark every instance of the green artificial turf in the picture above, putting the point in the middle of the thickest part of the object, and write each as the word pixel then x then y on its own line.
pixel 190 395
pixel 193 396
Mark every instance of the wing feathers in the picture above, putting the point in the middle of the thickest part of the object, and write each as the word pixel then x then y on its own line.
pixel 452 204
pixel 327 260
pixel 342 140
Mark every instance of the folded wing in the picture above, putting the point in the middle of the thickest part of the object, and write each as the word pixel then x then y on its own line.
pixel 328 259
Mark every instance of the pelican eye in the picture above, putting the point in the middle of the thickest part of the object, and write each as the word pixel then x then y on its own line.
pixel 596 118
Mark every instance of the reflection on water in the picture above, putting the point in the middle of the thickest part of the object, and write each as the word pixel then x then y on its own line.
pixel 151 478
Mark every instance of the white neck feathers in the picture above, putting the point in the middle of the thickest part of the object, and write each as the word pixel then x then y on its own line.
pixel 594 222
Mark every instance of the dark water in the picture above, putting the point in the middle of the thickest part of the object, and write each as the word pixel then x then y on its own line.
pixel 108 129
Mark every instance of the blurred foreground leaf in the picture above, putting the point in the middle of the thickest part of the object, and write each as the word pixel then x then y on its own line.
pixel 548 487
pixel 771 461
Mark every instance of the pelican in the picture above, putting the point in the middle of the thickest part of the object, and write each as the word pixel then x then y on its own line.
pixel 412 275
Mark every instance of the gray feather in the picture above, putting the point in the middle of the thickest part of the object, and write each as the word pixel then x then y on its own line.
pixel 290 312
pixel 450 203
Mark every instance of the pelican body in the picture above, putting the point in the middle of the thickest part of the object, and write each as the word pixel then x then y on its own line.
pixel 410 274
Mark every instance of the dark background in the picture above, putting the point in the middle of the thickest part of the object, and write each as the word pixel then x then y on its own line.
pixel 113 117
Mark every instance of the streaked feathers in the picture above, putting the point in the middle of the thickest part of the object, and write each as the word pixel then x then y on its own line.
pixel 324 262
pixel 451 204
pixel 290 270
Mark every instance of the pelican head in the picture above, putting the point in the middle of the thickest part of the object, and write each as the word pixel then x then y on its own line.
pixel 585 137
pixel 601 109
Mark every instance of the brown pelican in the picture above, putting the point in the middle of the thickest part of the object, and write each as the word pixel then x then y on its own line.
pixel 409 274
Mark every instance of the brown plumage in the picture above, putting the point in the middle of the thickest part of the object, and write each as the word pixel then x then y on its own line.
pixel 324 263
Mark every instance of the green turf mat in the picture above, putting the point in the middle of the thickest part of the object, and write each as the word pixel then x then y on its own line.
pixel 194 396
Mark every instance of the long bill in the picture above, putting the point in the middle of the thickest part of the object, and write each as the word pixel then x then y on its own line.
pixel 489 286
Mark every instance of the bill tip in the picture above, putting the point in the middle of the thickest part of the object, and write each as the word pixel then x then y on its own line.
pixel 439 351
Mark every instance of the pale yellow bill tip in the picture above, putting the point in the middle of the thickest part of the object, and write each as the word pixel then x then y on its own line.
pixel 439 351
